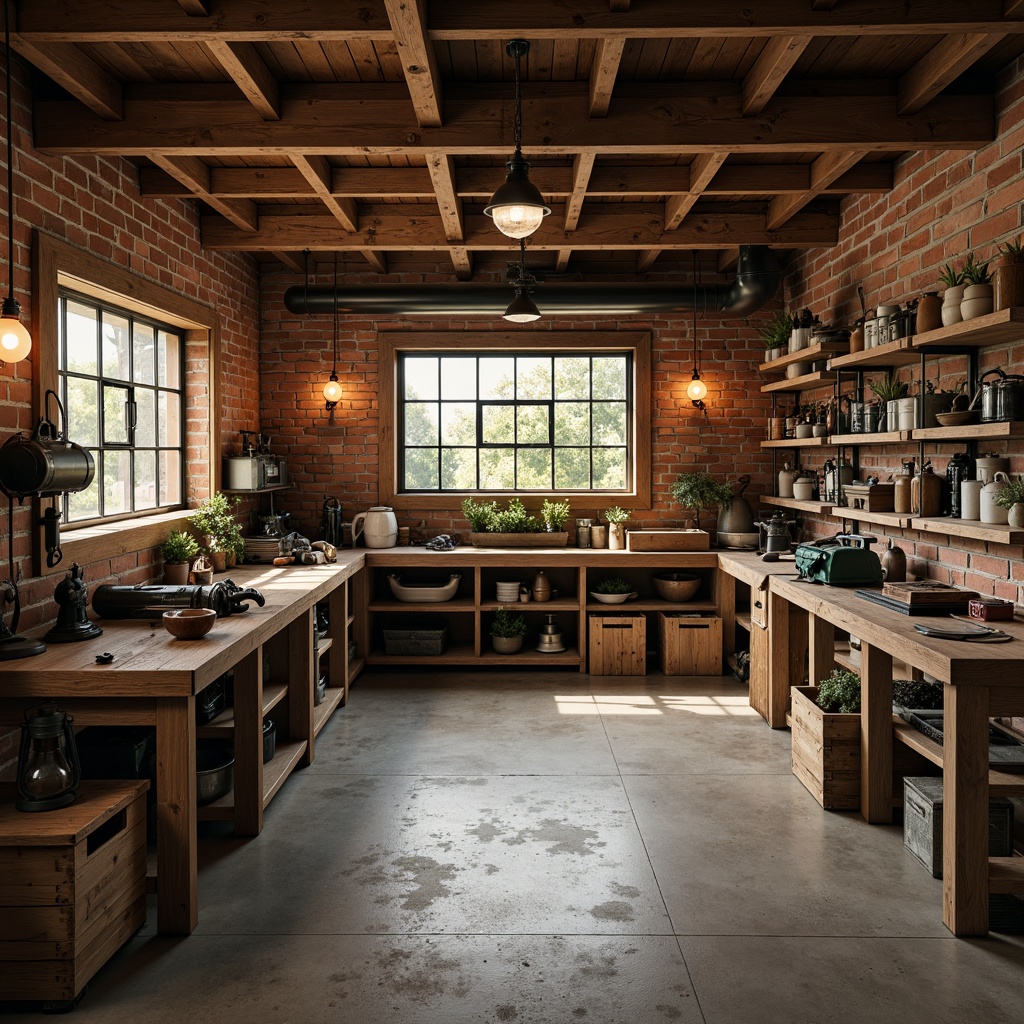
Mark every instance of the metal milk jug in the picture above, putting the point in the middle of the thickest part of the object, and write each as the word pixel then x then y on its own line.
pixel 379 527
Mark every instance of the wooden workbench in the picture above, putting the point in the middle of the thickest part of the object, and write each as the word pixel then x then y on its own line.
pixel 153 680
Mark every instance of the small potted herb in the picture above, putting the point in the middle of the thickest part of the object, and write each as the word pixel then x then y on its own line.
pixel 953 278
pixel 775 335
pixel 889 390
pixel 1011 497
pixel 178 550
pixel 978 298
pixel 612 590
pixel 555 514
pixel 507 631
pixel 617 519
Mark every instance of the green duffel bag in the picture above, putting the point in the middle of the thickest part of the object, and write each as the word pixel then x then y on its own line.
pixel 839 564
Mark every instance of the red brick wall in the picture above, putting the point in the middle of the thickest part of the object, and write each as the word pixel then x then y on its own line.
pixel 942 206
pixel 94 204
pixel 337 455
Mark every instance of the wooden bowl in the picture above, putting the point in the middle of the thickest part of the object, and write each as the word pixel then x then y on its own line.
pixel 189 623
pixel 956 419
pixel 676 586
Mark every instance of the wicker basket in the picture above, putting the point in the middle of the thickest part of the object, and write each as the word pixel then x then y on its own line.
pixel 425 640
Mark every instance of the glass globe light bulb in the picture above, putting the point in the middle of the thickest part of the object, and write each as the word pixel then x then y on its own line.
pixel 332 390
pixel 696 390
pixel 15 340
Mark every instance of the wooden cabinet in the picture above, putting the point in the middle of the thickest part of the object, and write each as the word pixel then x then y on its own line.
pixel 572 574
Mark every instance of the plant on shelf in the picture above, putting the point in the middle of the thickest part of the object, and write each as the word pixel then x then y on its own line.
pixel 487 518
pixel 889 388
pixel 617 518
pixel 515 519
pixel 698 490
pixel 180 547
pixel 839 692
pixel 214 520
pixel 978 293
pixel 1012 494
pixel 775 333
pixel 480 515
pixel 507 631
pixel 555 515
pixel 916 693
pixel 974 272
pixel 616 514
pixel 613 585
pixel 951 276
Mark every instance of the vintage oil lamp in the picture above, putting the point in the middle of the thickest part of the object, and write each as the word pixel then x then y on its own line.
pixel 48 768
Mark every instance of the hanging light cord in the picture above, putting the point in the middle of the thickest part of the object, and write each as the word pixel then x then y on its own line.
pixel 696 362
pixel 334 364
pixel 517 117
pixel 10 151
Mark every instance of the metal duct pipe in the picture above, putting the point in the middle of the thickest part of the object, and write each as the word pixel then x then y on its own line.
pixel 757 279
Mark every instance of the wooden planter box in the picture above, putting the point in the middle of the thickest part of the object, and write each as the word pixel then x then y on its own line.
pixel 826 752
pixel 519 540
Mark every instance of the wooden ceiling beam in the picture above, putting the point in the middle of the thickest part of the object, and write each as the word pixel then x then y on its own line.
pixel 350 121
pixel 728 258
pixel 638 226
pixel 581 168
pixel 824 170
pixel 442 175
pixel 195 175
pixel 291 261
pixel 294 20
pixel 772 65
pixel 377 260
pixel 603 72
pixel 195 8
pixel 703 168
pixel 317 171
pixel 645 259
pixel 419 64
pixel 251 75
pixel 939 67
pixel 84 79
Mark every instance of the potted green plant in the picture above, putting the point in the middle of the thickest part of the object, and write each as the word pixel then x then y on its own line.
pixel 507 631
pixel 1011 497
pixel 889 390
pixel 214 520
pixel 953 278
pixel 698 490
pixel 555 515
pixel 1008 275
pixel 612 590
pixel 775 335
pixel 617 518
pixel 977 299
pixel 826 739
pixel 512 526
pixel 178 550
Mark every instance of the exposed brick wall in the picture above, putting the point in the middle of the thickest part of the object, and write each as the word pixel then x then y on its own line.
pixel 94 203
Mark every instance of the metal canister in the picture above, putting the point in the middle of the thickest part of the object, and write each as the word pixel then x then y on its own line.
pixel 583 532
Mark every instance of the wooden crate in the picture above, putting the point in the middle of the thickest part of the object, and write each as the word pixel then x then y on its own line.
pixel 72 889
pixel 826 752
pixel 668 540
pixel 690 645
pixel 618 645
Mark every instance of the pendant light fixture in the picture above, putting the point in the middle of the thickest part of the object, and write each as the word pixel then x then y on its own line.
pixel 696 390
pixel 332 389
pixel 15 340
pixel 522 309
pixel 517 207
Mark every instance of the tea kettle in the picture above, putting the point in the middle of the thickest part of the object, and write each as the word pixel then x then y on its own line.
pixel 774 537
pixel 378 527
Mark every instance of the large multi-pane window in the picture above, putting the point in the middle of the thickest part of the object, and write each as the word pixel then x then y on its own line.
pixel 121 382
pixel 507 421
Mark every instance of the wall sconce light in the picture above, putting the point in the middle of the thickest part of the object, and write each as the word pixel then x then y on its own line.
pixel 332 389
pixel 15 340
pixel 696 390
pixel 522 309
pixel 517 207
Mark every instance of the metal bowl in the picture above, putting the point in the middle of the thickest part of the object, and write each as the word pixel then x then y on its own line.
pixel 676 586
pixel 740 541
pixel 215 773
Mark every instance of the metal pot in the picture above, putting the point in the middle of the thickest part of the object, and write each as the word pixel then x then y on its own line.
pixel 987 395
pixel 1009 398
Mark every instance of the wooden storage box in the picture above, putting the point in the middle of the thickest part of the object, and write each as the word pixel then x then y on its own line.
pixel 618 645
pixel 871 497
pixel 668 540
pixel 826 752
pixel 690 645
pixel 72 889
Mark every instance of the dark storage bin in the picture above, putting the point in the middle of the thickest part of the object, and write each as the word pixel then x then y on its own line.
pixel 115 751
pixel 423 637
pixel 269 739
pixel 210 702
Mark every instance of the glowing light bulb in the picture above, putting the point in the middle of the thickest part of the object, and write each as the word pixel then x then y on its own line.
pixel 696 390
pixel 332 391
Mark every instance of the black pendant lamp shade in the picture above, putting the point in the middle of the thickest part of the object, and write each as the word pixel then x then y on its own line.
pixel 522 309
pixel 517 207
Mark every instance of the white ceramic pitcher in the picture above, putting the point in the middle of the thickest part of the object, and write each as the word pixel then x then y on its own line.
pixel 990 511
pixel 378 527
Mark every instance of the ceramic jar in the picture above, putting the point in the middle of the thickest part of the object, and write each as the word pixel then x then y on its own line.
pixel 616 536
pixel 1015 516
pixel 599 535
pixel 926 494
pixel 786 477
pixel 970 499
pixel 986 466
pixel 803 488
pixel 951 300
pixel 1008 281
pixel 977 301
pixel 541 587
pixel 894 564
pixel 908 414
pixel 379 527
pixel 990 511
pixel 929 312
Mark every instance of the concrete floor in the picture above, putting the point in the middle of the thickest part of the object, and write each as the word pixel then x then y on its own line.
pixel 555 848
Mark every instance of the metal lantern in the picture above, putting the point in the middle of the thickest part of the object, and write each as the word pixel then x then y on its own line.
pixel 48 768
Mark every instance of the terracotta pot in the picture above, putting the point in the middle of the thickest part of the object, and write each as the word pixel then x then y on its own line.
pixel 176 573
pixel 219 559
pixel 929 312
pixel 1009 281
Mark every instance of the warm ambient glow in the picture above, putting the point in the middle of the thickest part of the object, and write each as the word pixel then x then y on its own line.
pixel 332 392
pixel 15 341
pixel 696 390
pixel 704 705
pixel 518 221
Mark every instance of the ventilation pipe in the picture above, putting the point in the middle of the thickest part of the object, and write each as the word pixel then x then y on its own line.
pixel 757 280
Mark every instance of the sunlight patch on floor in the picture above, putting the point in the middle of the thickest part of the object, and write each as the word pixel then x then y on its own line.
pixel 632 704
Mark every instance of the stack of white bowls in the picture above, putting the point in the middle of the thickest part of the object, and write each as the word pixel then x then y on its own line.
pixel 508 593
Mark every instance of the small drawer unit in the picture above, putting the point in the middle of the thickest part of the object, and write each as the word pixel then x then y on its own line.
pixel 922 823
pixel 72 889
pixel 618 645
pixel 690 644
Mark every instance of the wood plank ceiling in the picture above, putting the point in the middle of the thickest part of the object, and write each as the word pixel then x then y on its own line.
pixel 379 129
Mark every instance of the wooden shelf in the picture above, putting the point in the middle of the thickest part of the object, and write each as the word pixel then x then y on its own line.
pixel 570 656
pixel 813 507
pixel 467 656
pixel 894 520
pixel 892 353
pixel 970 528
pixel 323 645
pixel 808 382
pixel 811 354
pixel 970 432
pixel 743 620
pixel 275 771
pixel 653 605
pixel 323 711
pixel 558 604
pixel 1004 325
pixel 1006 875
pixel 879 437
pixel 456 604
pixel 797 442
pixel 273 693
pixel 355 666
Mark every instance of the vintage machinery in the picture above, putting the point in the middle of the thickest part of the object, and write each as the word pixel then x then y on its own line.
pixel 150 601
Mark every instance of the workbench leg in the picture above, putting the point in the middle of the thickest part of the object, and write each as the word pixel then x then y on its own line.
pixel 787 629
pixel 965 810
pixel 821 649
pixel 724 596
pixel 248 744
pixel 875 734
pixel 300 681
pixel 176 865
